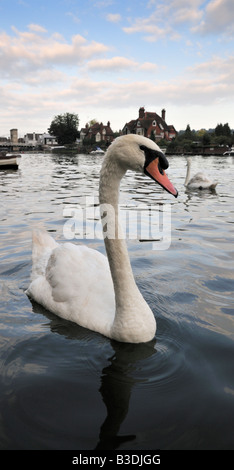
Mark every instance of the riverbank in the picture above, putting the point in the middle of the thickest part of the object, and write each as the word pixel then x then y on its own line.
pixel 198 150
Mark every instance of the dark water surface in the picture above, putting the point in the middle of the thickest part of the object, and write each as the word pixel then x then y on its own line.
pixel 65 387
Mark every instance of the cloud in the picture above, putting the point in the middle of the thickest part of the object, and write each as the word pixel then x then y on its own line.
pixel 218 18
pixel 33 109
pixel 73 16
pixel 44 74
pixel 37 28
pixel 118 64
pixel 148 66
pixel 218 68
pixel 166 18
pixel 113 17
pixel 32 50
pixel 148 26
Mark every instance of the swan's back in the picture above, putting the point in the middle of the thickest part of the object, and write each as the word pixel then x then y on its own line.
pixel 72 281
pixel 200 181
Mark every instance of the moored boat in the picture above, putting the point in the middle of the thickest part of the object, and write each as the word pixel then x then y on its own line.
pixel 98 151
pixel 9 161
pixel 230 152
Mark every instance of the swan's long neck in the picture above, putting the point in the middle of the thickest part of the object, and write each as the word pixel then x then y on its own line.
pixel 115 244
pixel 187 178
pixel 131 308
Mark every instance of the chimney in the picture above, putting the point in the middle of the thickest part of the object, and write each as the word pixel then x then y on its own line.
pixel 108 124
pixel 141 113
pixel 163 114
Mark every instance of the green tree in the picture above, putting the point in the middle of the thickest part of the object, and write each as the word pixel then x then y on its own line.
pixel 223 130
pixel 227 130
pixel 65 128
pixel 188 133
pixel 92 122
pixel 206 139
pixel 219 129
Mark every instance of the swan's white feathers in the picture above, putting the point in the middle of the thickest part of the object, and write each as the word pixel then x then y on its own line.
pixel 202 180
pixel 42 244
pixel 199 180
pixel 75 283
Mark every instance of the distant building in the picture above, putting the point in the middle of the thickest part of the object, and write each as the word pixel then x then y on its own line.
pixel 97 132
pixel 32 139
pixel 150 124
pixel 14 136
pixel 47 139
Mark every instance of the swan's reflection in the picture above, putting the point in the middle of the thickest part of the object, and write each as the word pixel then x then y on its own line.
pixel 117 378
pixel 117 382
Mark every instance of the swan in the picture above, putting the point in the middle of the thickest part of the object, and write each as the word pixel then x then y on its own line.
pixel 81 284
pixel 198 181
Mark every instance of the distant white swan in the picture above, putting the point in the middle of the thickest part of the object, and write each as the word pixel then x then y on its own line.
pixel 198 181
pixel 81 284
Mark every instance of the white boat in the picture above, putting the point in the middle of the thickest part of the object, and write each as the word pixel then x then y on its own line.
pixel 98 151
pixel 9 161
pixel 230 152
pixel 58 147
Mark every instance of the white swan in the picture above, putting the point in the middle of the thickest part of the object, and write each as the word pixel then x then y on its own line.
pixel 82 285
pixel 198 181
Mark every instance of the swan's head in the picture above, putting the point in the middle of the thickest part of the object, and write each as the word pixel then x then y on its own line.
pixel 140 154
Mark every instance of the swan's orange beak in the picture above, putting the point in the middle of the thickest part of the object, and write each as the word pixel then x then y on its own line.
pixel 155 171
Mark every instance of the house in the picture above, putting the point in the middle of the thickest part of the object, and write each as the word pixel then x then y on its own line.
pixel 150 124
pixel 32 139
pixel 97 133
pixel 47 139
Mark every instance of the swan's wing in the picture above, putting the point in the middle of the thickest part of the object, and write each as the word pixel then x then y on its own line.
pixel 73 270
pixel 200 177
pixel 81 286
pixel 200 180
pixel 42 246
pixel 76 284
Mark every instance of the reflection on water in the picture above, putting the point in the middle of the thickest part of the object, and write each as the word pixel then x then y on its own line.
pixel 117 382
pixel 65 387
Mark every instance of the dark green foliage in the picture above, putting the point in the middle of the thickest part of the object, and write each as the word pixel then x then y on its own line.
pixel 65 128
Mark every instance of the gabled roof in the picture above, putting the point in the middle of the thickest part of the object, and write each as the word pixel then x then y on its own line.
pixel 146 119
pixel 97 127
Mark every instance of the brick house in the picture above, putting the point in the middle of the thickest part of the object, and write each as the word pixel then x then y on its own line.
pixel 148 124
pixel 97 132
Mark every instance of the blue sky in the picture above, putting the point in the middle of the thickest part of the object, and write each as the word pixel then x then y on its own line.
pixel 105 59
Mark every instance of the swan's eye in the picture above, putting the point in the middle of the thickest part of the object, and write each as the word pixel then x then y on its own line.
pixel 160 168
pixel 150 155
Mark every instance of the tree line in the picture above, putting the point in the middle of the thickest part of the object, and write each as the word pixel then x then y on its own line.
pixel 188 139
pixel 65 128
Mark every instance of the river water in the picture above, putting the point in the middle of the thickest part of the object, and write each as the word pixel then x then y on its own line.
pixel 65 387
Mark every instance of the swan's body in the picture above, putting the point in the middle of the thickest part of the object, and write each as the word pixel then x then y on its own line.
pixel 198 181
pixel 84 286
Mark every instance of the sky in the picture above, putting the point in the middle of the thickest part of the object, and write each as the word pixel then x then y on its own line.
pixel 105 59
